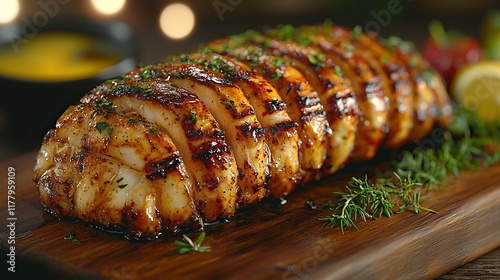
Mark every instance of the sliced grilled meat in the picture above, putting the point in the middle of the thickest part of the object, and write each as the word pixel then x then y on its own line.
pixel 395 78
pixel 103 168
pixel 334 91
pixel 370 95
pixel 270 109
pixel 192 128
pixel 432 102
pixel 244 133
pixel 168 147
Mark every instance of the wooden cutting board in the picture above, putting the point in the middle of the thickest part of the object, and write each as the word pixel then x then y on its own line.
pixel 268 241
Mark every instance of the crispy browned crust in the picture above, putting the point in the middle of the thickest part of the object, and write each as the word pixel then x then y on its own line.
pixel 192 139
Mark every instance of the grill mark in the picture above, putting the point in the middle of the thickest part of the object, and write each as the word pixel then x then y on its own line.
pixel 208 80
pixel 285 126
pixel 196 73
pixel 161 168
pixel 307 101
pixel 373 88
pixel 157 92
pixel 208 150
pixel 312 115
pixel 309 106
pixel 253 130
pixel 275 105
pixel 248 111
pixel 213 154
pixel 343 107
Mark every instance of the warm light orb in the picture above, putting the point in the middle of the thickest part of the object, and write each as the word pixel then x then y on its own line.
pixel 108 7
pixel 9 10
pixel 177 20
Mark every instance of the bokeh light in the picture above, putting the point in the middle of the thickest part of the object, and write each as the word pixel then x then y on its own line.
pixel 177 20
pixel 9 10
pixel 108 7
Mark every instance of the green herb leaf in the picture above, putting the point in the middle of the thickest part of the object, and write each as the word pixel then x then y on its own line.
pixel 104 127
pixel 193 116
pixel 134 120
pixel 189 246
pixel 104 103
pixel 317 60
pixel 153 130
pixel 338 71
pixel 146 74
pixel 356 32
pixel 278 62
pixel 228 103
pixel 276 74
pixel 349 49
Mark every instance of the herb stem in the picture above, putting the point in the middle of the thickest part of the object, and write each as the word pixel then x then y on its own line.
pixel 466 143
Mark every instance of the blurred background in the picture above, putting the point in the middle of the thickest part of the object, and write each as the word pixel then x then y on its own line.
pixel 131 32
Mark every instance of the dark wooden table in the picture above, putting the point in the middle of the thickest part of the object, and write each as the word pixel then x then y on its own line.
pixel 485 267
pixel 465 228
pixel 154 46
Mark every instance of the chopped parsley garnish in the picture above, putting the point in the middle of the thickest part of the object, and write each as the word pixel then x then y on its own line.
pixel 134 120
pixel 384 59
pixel 305 40
pixel 338 71
pixel 104 127
pixel 428 77
pixel 414 60
pixel 147 92
pixel 348 50
pixel 104 103
pixel 356 32
pixel 228 103
pixel 121 186
pixel 276 74
pixel 278 61
pixel 317 60
pixel 153 130
pixel 193 116
pixel 146 74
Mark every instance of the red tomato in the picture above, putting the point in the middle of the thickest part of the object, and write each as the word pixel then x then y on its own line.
pixel 447 52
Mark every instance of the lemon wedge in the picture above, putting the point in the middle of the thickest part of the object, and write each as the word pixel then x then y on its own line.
pixel 477 86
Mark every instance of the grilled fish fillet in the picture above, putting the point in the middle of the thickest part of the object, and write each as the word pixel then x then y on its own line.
pixel 169 147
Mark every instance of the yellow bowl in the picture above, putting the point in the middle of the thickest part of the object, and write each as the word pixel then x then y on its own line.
pixel 43 72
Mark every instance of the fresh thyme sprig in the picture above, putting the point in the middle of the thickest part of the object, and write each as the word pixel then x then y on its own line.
pixel 465 144
pixel 189 246
pixel 370 199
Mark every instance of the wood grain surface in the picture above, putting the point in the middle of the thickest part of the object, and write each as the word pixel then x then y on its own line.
pixel 266 241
